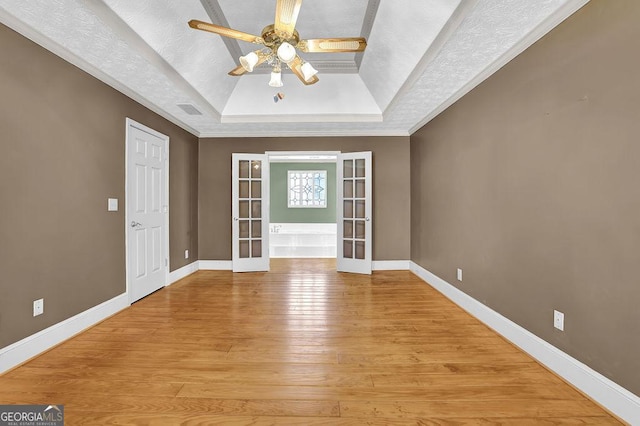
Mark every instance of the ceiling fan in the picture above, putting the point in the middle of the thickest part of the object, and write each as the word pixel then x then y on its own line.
pixel 280 42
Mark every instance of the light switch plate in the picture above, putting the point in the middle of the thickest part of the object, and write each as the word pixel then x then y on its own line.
pixel 459 274
pixel 112 205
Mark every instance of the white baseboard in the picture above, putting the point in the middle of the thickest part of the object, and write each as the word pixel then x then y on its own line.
pixel 25 349
pixel 609 394
pixel 376 265
pixel 215 265
pixel 180 273
pixel 390 265
pixel 301 257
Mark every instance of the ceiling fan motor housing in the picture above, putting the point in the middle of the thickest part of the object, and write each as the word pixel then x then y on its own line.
pixel 273 39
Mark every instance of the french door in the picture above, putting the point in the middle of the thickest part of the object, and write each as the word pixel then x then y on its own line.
pixel 250 212
pixel 354 212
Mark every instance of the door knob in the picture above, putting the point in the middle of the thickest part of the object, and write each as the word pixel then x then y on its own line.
pixel 134 224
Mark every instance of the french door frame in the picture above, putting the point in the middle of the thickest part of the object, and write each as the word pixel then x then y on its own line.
pixel 362 266
pixel 244 260
pixel 354 212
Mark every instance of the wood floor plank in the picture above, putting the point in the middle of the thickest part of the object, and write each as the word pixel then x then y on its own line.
pixel 300 345
pixel 409 393
pixel 276 375
pixel 471 408
pixel 402 379
pixel 92 386
pixel 146 419
pixel 169 405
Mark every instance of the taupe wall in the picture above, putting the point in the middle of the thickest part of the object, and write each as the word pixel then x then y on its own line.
pixel 62 136
pixel 183 199
pixel 531 184
pixel 391 199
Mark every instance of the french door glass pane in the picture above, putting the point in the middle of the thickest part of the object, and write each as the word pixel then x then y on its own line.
pixel 256 169
pixel 348 249
pixel 243 208
pixel 256 229
pixel 244 248
pixel 359 249
pixel 348 189
pixel 256 208
pixel 360 188
pixel 256 189
pixel 348 168
pixel 256 248
pixel 244 169
pixel 244 229
pixel 360 229
pixel 244 189
pixel 360 171
pixel 348 229
pixel 348 208
pixel 360 208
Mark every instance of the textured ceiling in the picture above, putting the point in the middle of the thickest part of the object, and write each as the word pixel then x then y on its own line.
pixel 422 56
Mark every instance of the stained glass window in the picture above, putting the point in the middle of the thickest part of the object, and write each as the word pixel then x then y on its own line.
pixel 307 188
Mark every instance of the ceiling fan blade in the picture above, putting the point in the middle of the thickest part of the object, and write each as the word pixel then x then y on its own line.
pixel 296 67
pixel 330 45
pixel 239 70
pixel 286 17
pixel 224 31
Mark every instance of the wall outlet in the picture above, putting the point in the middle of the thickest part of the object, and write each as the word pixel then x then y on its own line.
pixel 186 254
pixel 558 320
pixel 38 307
pixel 459 274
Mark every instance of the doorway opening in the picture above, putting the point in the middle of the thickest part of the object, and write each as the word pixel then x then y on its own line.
pixel 251 223
pixel 303 197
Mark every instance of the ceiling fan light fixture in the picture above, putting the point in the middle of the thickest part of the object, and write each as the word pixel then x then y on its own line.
pixel 286 52
pixel 280 41
pixel 276 79
pixel 249 61
pixel 308 71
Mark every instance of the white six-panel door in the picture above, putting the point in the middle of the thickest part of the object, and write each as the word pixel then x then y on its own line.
pixel 250 212
pixel 354 212
pixel 146 210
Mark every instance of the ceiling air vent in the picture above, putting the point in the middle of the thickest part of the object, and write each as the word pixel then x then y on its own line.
pixel 190 109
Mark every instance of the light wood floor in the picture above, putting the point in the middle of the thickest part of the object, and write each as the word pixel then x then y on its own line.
pixel 300 345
